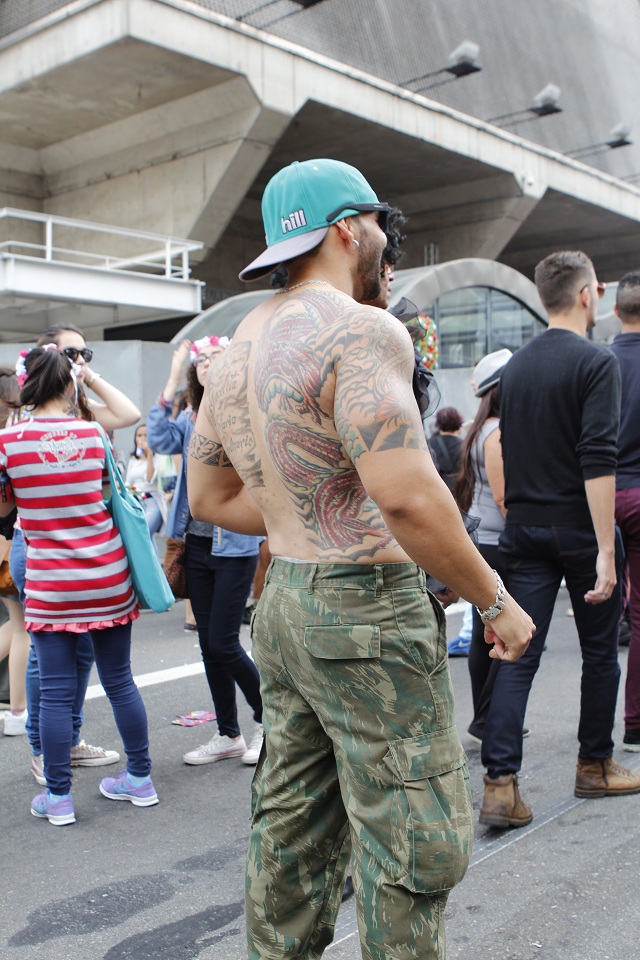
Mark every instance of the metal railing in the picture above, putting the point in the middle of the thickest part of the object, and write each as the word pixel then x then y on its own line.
pixel 168 256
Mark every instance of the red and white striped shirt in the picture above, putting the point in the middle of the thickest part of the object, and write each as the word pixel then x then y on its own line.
pixel 77 568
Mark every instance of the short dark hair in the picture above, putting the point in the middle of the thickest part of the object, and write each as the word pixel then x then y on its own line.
pixel 448 419
pixel 48 376
pixel 194 391
pixel 628 295
pixel 560 276
pixel 392 252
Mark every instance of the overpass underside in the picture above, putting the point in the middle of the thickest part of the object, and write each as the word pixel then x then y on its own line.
pixel 160 115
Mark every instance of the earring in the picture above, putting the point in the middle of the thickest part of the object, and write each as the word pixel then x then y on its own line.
pixel 355 244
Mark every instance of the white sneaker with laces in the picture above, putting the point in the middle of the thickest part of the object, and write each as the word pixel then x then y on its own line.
pixel 252 753
pixel 86 755
pixel 218 748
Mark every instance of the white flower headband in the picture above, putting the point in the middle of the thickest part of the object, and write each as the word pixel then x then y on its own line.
pixel 199 345
pixel 21 369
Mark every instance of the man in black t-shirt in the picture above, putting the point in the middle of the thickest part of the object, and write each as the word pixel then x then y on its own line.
pixel 560 405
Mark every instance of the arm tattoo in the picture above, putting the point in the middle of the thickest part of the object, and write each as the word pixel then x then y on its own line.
pixel 372 412
pixel 212 454
pixel 227 408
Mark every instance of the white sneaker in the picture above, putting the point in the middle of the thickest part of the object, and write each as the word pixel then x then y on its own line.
pixel 15 724
pixel 218 748
pixel 252 753
pixel 37 769
pixel 86 755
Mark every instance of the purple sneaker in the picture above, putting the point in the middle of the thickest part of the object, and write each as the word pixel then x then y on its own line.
pixel 121 788
pixel 58 813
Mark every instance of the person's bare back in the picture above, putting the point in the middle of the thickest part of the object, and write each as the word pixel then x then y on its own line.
pixel 272 400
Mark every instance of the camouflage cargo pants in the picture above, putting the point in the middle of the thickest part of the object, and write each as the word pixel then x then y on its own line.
pixel 361 753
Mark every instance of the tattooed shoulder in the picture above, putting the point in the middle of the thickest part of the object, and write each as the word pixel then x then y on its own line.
pixel 209 452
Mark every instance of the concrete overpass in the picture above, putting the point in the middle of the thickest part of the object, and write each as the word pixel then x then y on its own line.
pixel 168 116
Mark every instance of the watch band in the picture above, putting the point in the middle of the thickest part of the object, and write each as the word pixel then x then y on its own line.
pixel 497 606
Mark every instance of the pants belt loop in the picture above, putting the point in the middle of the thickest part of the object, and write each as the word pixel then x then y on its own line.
pixel 311 578
pixel 269 573
pixel 423 580
pixel 379 580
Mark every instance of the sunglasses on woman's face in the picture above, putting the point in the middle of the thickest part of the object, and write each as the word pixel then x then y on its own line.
pixel 73 353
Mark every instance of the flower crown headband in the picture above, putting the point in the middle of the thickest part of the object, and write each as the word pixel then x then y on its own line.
pixel 21 369
pixel 199 345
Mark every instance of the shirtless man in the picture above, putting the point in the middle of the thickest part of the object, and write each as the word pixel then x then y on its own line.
pixel 309 432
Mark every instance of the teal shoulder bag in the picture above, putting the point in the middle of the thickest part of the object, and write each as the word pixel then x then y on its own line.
pixel 147 577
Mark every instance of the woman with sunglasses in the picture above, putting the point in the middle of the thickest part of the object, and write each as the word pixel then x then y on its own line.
pixel 220 568
pixel 112 410
pixel 77 576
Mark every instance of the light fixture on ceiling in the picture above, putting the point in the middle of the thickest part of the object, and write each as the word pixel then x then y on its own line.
pixel 618 137
pixel 461 62
pixel 302 4
pixel 546 101
pixel 544 104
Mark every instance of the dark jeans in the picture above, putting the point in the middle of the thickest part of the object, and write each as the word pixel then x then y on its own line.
pixel 84 655
pixel 628 519
pixel 57 659
pixel 536 559
pixel 218 590
pixel 482 668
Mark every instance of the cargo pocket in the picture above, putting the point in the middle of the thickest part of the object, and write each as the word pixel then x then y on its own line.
pixel 431 821
pixel 343 641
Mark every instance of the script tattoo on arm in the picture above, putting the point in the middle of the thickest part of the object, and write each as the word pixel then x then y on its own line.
pixel 374 407
pixel 212 454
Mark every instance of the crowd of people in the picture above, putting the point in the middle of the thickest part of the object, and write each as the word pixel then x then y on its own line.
pixel 299 472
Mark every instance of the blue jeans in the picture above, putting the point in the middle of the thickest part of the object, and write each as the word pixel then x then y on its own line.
pixel 57 658
pixel 536 559
pixel 84 652
pixel 153 514
pixel 218 589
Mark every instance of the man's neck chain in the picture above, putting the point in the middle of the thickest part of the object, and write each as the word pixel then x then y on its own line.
pixel 302 283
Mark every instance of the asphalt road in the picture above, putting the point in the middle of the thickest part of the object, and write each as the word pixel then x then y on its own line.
pixel 166 883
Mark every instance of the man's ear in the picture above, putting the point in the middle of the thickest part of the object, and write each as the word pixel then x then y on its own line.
pixel 346 232
pixel 616 311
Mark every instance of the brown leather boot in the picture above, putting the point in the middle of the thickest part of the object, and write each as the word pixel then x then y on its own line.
pixel 605 778
pixel 502 805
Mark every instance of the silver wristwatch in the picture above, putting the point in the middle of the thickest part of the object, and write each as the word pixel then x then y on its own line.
pixel 497 606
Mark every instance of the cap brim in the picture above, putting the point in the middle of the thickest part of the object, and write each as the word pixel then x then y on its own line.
pixel 281 252
pixel 490 382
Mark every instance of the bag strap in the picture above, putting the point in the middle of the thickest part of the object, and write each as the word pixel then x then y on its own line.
pixel 444 455
pixel 118 486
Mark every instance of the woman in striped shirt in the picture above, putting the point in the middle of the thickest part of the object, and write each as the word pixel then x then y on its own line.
pixel 77 577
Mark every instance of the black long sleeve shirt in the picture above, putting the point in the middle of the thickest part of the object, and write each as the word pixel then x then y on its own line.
pixel 559 417
pixel 626 348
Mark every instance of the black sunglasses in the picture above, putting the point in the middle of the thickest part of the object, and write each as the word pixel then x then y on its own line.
pixel 381 208
pixel 73 353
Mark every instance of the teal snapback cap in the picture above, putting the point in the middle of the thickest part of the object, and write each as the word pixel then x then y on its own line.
pixel 299 205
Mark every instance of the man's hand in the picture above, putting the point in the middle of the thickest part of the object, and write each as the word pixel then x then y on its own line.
pixel 605 578
pixel 510 633
pixel 446 597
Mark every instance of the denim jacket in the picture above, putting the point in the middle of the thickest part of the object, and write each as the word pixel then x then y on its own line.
pixel 172 436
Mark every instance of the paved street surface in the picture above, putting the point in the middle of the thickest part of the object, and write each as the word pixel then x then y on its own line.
pixel 166 883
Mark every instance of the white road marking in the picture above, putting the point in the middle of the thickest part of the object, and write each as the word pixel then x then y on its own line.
pixel 149 679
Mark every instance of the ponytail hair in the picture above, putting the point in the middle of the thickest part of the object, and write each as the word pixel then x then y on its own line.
pixel 467 478
pixel 48 375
